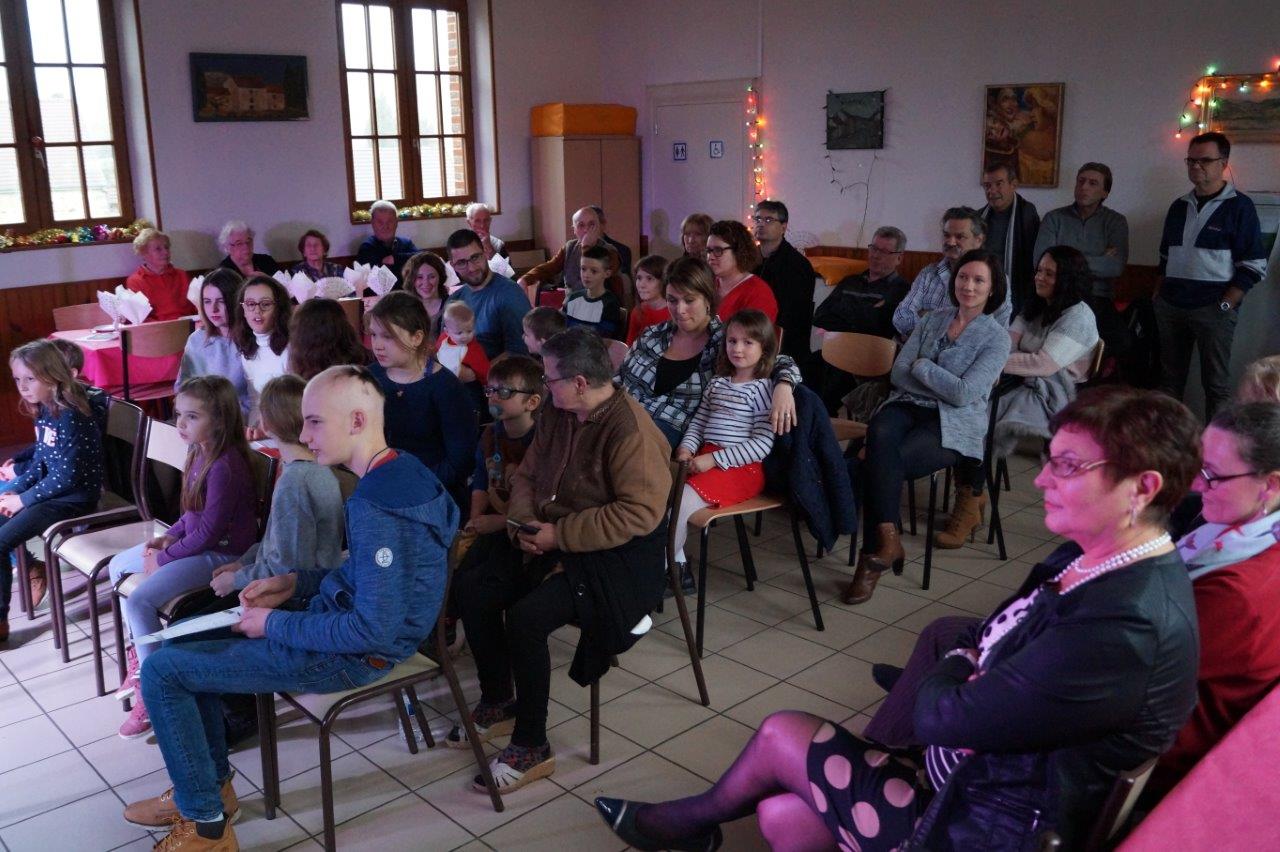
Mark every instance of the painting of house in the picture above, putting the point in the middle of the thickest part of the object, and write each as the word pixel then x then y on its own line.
pixel 248 87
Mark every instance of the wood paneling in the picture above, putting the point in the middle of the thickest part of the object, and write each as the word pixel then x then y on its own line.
pixel 26 313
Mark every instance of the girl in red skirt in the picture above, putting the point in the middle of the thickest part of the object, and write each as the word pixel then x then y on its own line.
pixel 730 435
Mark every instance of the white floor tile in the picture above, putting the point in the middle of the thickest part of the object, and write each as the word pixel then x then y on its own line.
pixel 90 824
pixel 45 785
pixel 28 741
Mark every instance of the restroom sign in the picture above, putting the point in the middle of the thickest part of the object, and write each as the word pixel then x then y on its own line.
pixel 717 149
pixel 679 151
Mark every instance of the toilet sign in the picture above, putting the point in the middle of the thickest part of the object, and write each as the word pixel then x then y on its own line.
pixel 717 149
pixel 679 151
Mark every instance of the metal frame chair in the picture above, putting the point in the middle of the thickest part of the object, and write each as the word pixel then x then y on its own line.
pixel 151 340
pixel 1115 810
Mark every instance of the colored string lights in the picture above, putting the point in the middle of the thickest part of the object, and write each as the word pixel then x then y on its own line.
pixel 755 144
pixel 1198 113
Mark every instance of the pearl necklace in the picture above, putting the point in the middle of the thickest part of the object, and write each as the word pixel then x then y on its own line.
pixel 1133 554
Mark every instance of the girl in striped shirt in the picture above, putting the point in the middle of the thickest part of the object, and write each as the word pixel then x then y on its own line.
pixel 730 434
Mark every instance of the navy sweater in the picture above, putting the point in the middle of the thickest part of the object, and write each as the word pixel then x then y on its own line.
pixel 1205 250
pixel 67 464
pixel 434 419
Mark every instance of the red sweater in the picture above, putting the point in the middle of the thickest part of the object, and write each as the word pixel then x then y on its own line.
pixel 751 293
pixel 167 292
pixel 642 317
pixel 1238 608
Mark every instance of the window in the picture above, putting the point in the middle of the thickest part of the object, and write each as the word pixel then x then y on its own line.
pixel 407 99
pixel 63 160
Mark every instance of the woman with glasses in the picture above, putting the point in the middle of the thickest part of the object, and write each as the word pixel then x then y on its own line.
pixel 1087 671
pixel 236 239
pixel 1234 563
pixel 260 329
pixel 732 253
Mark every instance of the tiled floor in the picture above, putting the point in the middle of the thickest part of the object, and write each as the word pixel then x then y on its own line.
pixel 65 775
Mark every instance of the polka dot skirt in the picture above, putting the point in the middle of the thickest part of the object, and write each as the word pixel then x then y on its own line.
pixel 869 800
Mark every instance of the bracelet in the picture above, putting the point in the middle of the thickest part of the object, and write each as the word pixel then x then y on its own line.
pixel 968 653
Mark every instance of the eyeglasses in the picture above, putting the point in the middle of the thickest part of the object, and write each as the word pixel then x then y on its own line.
pixel 478 257
pixel 716 251
pixel 1202 162
pixel 878 250
pixel 1064 467
pixel 505 393
pixel 549 381
pixel 1211 480
pixel 764 220
pixel 264 305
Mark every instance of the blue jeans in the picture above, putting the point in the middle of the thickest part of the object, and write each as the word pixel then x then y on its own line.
pixel 30 522
pixel 142 608
pixel 181 685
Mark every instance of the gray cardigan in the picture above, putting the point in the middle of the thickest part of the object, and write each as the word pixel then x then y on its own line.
pixel 959 378
pixel 304 532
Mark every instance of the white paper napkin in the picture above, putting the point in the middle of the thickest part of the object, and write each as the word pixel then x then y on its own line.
pixel 134 307
pixel 356 276
pixel 300 287
pixel 380 281
pixel 333 288
pixel 107 301
pixel 195 291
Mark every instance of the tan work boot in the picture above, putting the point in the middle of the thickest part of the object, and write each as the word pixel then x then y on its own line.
pixel 185 837
pixel 161 811
pixel 967 515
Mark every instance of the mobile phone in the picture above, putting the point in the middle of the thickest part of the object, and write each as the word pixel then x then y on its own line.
pixel 522 527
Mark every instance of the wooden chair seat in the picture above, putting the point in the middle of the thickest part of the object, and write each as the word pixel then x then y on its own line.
pixel 317 705
pixel 704 517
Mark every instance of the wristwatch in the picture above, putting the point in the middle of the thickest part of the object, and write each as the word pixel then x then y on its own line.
pixel 968 653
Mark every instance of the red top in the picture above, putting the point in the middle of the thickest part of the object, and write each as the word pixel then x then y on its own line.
pixel 751 293
pixel 1238 608
pixel 166 291
pixel 473 357
pixel 643 316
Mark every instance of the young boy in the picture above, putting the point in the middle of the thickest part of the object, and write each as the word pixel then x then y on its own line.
pixel 362 619
pixel 514 391
pixel 540 325
pixel 595 307
pixel 457 347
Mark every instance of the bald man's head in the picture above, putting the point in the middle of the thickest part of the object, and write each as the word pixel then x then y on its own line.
pixel 342 415
pixel 588 225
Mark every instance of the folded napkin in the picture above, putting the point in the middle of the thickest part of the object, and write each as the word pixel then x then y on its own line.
pixel 300 287
pixel 107 301
pixel 333 288
pixel 380 281
pixel 124 304
pixel 502 266
pixel 356 276
pixel 195 291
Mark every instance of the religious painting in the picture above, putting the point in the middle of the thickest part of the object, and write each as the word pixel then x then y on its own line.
pixel 248 87
pixel 1246 107
pixel 855 120
pixel 1022 129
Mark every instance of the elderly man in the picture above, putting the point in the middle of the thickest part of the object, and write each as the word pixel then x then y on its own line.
pixel 962 230
pixel 1211 254
pixel 498 302
pixel 358 621
pixel 1011 222
pixel 479 219
pixel 563 271
pixel 789 274
pixel 383 247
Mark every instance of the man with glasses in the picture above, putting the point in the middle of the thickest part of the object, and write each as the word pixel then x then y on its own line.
pixel 498 302
pixel 790 275
pixel 1210 255
pixel 563 271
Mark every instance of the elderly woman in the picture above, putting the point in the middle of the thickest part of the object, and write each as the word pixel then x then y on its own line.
pixel 1085 672
pixel 694 231
pixel 589 501
pixel 164 284
pixel 210 351
pixel 1053 340
pixel 314 248
pixel 671 363
pixel 936 414
pixel 732 253
pixel 1234 563
pixel 236 240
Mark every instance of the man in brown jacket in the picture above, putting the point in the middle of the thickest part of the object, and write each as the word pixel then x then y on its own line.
pixel 563 270
pixel 590 497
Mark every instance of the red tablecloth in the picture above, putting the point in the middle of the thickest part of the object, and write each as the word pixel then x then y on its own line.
pixel 104 368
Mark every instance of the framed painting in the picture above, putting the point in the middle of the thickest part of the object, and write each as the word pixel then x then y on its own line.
pixel 1246 107
pixel 248 87
pixel 855 120
pixel 1022 129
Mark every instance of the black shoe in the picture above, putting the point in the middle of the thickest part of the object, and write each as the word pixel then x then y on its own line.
pixel 620 815
pixel 885 675
pixel 688 585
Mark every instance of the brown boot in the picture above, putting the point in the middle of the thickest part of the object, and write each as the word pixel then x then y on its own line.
pixel 966 516
pixel 38 580
pixel 890 555
pixel 863 584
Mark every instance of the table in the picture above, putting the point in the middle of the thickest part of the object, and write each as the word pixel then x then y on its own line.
pixel 104 367
pixel 833 270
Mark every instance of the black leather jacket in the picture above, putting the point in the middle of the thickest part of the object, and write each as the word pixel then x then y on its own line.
pixel 1091 683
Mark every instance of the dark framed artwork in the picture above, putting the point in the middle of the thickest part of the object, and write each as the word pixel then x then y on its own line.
pixel 248 87
pixel 855 120
pixel 1022 129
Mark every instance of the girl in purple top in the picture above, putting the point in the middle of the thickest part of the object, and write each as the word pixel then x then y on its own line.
pixel 217 523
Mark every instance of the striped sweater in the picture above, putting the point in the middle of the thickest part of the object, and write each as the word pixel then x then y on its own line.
pixel 1206 249
pixel 734 417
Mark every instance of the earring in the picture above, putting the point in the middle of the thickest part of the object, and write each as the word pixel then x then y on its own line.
pixel 1133 513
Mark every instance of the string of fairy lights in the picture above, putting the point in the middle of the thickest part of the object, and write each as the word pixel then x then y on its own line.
pixel 755 144
pixel 1197 114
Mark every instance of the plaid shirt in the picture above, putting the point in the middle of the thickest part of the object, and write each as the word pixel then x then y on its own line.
pixel 932 290
pixel 639 372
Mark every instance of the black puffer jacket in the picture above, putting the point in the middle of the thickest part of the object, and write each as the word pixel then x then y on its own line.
pixel 1089 684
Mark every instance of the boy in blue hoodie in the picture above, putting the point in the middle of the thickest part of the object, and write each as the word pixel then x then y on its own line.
pixel 363 617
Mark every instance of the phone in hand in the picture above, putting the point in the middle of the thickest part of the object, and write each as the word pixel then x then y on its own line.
pixel 528 529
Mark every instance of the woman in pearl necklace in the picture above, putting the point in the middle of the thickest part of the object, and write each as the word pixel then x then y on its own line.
pixel 1087 671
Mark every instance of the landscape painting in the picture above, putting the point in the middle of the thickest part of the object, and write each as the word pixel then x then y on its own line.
pixel 855 120
pixel 1246 107
pixel 248 87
